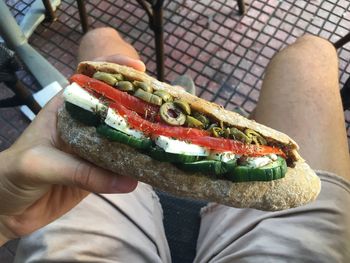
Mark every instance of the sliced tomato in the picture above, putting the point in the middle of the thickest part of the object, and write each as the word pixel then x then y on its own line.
pixel 141 107
pixel 195 136
pixel 132 107
pixel 221 144
pixel 150 128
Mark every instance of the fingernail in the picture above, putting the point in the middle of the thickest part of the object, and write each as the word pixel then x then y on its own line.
pixel 123 184
pixel 142 65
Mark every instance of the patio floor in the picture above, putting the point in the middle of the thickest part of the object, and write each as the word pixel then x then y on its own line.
pixel 225 53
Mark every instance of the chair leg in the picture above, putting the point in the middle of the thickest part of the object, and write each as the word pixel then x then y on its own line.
pixel 26 97
pixel 83 15
pixel 50 14
pixel 341 42
pixel 345 95
pixel 158 30
pixel 22 96
pixel 155 16
pixel 241 7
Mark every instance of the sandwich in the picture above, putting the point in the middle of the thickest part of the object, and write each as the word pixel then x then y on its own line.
pixel 132 124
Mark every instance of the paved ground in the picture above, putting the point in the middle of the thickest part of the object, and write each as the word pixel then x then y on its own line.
pixel 225 53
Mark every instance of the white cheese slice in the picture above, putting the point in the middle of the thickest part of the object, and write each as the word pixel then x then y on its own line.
pixel 256 162
pixel 119 123
pixel 81 98
pixel 223 156
pixel 272 156
pixel 180 147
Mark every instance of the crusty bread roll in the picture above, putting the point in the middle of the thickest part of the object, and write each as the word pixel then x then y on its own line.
pixel 299 186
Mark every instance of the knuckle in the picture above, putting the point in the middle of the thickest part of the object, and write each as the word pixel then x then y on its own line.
pixel 83 175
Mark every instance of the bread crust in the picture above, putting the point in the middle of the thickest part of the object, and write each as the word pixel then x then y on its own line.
pixel 299 186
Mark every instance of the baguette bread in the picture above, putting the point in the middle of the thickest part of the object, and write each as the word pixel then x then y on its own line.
pixel 299 186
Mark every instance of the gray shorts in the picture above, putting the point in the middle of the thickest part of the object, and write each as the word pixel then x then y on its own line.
pixel 96 232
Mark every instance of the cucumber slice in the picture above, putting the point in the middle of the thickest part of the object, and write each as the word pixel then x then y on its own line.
pixel 86 117
pixel 212 167
pixel 114 135
pixel 229 165
pixel 272 171
pixel 160 155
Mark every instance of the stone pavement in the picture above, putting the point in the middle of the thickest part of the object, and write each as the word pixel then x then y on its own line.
pixel 225 53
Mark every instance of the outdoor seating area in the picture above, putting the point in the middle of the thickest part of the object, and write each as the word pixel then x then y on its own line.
pixel 223 45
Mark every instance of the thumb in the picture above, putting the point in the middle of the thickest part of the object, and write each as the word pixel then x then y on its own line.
pixel 51 166
pixel 124 60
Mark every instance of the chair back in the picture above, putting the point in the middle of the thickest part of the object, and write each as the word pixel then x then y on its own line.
pixel 181 223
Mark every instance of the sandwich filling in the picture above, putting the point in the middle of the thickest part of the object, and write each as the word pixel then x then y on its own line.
pixel 167 129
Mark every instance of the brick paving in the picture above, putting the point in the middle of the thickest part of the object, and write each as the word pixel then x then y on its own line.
pixel 225 53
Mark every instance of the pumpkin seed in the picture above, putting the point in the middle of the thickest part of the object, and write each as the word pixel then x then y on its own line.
pixel 105 77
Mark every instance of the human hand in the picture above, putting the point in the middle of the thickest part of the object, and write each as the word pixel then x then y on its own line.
pixel 40 177
pixel 123 60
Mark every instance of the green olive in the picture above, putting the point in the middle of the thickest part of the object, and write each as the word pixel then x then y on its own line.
pixel 203 119
pixel 125 86
pixel 105 77
pixel 148 97
pixel 215 130
pixel 184 106
pixel 118 76
pixel 211 126
pixel 193 122
pixel 156 100
pixel 227 132
pixel 240 136
pixel 171 114
pixel 143 85
pixel 221 124
pixel 166 97
pixel 255 137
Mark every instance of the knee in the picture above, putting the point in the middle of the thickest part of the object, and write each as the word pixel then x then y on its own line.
pixel 318 43
pixel 309 48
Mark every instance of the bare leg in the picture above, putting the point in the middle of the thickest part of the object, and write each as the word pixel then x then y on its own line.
pixel 300 96
pixel 104 42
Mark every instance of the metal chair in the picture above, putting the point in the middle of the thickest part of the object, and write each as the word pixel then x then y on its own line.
pixel 155 15
pixel 16 38
pixel 345 91
pixel 154 10
pixel 8 67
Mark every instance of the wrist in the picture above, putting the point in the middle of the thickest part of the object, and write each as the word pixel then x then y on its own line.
pixel 5 162
pixel 3 238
